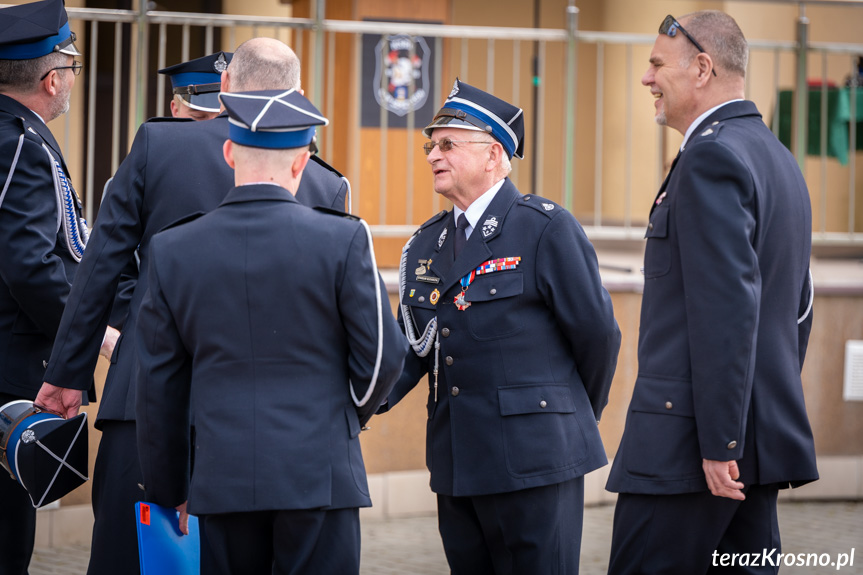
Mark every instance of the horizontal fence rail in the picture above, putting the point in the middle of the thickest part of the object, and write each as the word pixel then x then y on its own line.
pixel 590 141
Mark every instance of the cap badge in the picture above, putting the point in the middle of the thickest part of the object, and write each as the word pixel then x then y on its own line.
pixel 220 65
pixel 548 207
pixel 489 226
pixel 441 239
pixel 454 89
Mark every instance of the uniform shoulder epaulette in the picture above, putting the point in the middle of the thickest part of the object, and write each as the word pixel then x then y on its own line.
pixel 160 119
pixel 183 220
pixel 540 204
pixel 711 132
pixel 334 212
pixel 326 166
pixel 435 218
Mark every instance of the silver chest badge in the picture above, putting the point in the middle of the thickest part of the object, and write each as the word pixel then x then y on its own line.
pixel 442 238
pixel 489 226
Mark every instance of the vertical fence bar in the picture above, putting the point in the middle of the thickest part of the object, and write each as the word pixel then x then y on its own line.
pixel 801 89
pixel 115 97
pixel 569 103
pixel 160 78
pixel 208 40
pixel 384 134
pixel 409 136
pixel 516 72
pixel 330 91
pixel 463 69
pixel 317 59
pixel 141 71
pixel 89 196
pixel 186 41
pixel 823 134
pixel 852 155
pixel 776 113
pixel 489 66
pixel 597 176
pixel 358 125
pixel 627 174
pixel 540 117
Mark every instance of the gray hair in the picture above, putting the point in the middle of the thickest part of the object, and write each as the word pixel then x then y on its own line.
pixel 721 37
pixel 23 76
pixel 264 64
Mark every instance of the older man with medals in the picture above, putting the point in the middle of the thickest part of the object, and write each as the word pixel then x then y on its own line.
pixel 506 313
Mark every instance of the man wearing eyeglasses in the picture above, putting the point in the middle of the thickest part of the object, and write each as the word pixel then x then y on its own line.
pixel 42 233
pixel 503 305
pixel 717 422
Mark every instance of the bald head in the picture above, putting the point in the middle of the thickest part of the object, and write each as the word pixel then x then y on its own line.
pixel 263 64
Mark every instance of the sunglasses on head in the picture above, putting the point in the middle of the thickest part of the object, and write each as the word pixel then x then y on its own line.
pixel 670 26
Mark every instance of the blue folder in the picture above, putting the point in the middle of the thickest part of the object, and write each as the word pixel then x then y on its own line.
pixel 162 548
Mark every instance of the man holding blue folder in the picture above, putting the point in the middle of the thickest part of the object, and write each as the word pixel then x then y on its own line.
pixel 266 321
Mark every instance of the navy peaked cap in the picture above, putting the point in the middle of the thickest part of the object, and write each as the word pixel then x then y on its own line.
pixel 34 30
pixel 470 108
pixel 198 81
pixel 271 119
pixel 43 452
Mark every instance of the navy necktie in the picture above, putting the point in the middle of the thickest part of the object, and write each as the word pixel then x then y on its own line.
pixel 460 235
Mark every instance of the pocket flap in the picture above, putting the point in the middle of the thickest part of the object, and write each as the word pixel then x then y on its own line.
pixel 535 399
pixel 493 286
pixel 658 226
pixel 668 396
pixel 421 294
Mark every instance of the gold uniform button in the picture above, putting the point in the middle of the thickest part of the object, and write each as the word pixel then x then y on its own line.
pixel 448 360
pixel 543 404
pixel 445 332
pixel 731 444
pixel 668 405
pixel 454 391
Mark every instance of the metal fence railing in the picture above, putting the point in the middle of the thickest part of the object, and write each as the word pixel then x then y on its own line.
pixel 592 144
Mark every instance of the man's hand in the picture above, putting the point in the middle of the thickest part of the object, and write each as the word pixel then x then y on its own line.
pixel 60 400
pixel 111 336
pixel 184 518
pixel 722 479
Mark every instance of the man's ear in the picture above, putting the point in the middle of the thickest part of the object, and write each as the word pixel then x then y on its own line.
pixel 495 155
pixel 49 83
pixel 174 108
pixel 228 152
pixel 299 164
pixel 225 82
pixel 705 67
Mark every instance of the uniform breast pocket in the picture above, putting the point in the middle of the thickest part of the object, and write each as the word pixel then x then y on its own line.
pixel 657 254
pixel 661 439
pixel 495 300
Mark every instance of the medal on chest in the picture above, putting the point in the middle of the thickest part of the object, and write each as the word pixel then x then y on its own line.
pixel 488 267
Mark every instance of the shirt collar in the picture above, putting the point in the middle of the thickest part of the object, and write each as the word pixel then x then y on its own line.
pixel 701 118
pixel 475 211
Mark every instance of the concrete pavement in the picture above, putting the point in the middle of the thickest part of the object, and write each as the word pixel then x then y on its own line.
pixel 411 546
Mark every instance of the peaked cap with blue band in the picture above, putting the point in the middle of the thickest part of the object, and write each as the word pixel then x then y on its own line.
pixel 198 81
pixel 274 119
pixel 470 108
pixel 34 30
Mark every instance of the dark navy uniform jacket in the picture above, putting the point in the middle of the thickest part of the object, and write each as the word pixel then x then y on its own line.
pixel 265 312
pixel 41 241
pixel 720 348
pixel 174 169
pixel 526 369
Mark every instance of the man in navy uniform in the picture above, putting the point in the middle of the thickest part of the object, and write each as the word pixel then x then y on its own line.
pixel 196 84
pixel 717 422
pixel 266 321
pixel 42 234
pixel 175 168
pixel 502 302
